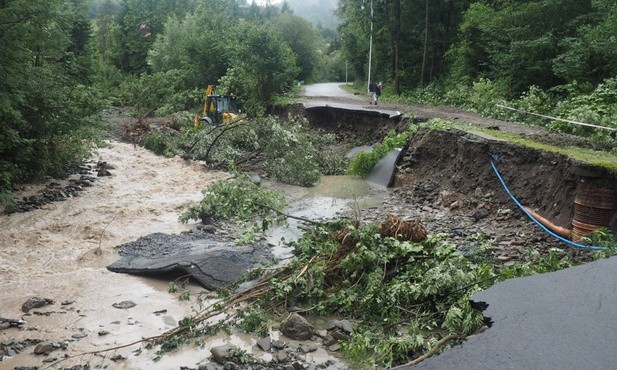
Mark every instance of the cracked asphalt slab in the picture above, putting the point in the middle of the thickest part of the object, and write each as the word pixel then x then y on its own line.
pixel 560 320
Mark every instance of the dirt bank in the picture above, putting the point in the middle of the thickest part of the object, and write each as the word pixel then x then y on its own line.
pixel 459 162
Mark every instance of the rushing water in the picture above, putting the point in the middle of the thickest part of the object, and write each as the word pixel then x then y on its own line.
pixel 61 250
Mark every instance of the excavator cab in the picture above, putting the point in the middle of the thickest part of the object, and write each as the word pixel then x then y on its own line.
pixel 218 109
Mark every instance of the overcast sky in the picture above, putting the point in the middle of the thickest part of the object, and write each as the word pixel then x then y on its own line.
pixel 263 2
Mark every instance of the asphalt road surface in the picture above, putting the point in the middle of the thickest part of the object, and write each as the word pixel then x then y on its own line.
pixel 332 90
pixel 561 320
pixel 331 95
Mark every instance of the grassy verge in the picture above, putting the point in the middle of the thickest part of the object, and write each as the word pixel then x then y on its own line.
pixel 598 158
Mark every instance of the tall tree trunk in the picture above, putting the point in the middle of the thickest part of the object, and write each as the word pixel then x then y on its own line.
pixel 397 44
pixel 424 54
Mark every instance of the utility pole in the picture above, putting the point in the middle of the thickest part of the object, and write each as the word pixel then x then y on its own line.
pixel 370 51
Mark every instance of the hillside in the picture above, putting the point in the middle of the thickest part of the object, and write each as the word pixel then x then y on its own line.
pixel 316 11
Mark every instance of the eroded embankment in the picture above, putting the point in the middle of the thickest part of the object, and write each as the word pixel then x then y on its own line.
pixel 460 162
pixel 356 126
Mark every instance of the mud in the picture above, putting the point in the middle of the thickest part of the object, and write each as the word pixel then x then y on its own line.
pixel 60 250
pixel 460 162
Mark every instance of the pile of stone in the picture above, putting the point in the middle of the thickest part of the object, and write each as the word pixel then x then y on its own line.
pixel 290 352
pixel 81 178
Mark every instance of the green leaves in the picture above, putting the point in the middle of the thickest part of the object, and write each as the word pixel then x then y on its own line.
pixel 263 67
pixel 363 162
pixel 238 199
pixel 287 151
pixel 48 116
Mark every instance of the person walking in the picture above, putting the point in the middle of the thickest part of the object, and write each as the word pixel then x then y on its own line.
pixel 374 91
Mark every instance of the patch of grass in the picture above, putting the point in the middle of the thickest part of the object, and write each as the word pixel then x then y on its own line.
pixel 289 98
pixel 358 88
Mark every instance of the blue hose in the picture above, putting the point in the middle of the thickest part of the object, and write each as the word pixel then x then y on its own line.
pixel 558 237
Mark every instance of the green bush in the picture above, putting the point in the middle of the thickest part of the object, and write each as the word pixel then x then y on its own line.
pixel 364 162
pixel 238 199
pixel 286 151
pixel 158 142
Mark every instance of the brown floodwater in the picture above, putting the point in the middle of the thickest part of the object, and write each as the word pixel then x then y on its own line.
pixel 61 252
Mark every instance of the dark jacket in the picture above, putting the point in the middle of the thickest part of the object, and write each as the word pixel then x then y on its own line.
pixel 374 87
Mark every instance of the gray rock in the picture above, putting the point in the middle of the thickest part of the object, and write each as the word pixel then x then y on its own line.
pixel 346 326
pixel 282 356
pixel 103 332
pixel 334 347
pixel 332 324
pixel 208 367
pixel 35 302
pixel 480 214
pixel 265 344
pixel 308 347
pixel 43 348
pixel 118 358
pixel 124 305
pixel 220 353
pixel 279 344
pixel 329 340
pixel 255 179
pixel 79 335
pixel 322 333
pixel 230 366
pixel 339 335
pixel 297 327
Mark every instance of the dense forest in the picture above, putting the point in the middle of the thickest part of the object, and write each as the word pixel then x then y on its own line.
pixel 65 61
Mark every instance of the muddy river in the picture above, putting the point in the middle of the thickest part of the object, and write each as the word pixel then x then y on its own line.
pixel 61 252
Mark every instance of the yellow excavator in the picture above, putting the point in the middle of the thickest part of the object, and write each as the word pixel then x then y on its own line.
pixel 218 109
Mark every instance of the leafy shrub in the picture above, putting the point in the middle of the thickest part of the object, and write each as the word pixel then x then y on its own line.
pixel 598 107
pixel 159 92
pixel 158 142
pixel 238 199
pixel 7 202
pixel 485 94
pixel 364 162
pixel 287 151
pixel 383 282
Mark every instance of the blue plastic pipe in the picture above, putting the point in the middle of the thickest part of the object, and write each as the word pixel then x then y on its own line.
pixel 558 237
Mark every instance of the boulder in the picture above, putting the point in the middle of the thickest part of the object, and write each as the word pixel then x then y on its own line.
pixel 44 348
pixel 220 353
pixel 35 302
pixel 297 327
